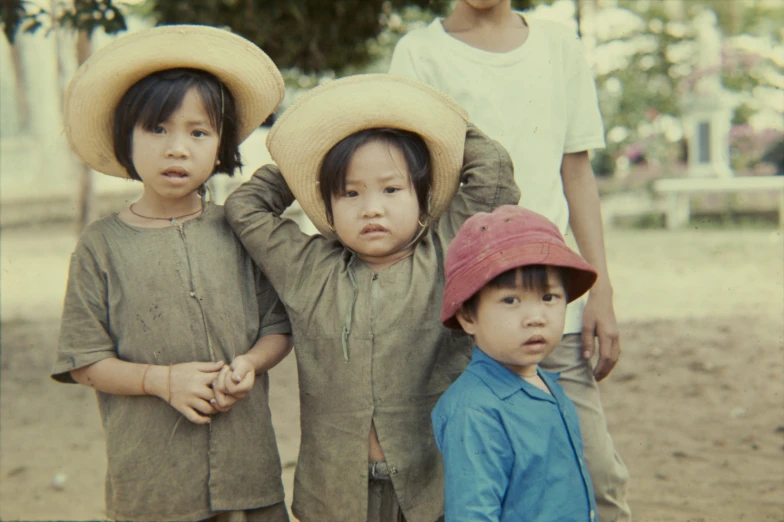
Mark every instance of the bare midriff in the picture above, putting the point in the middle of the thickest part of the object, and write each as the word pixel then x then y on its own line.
pixel 375 453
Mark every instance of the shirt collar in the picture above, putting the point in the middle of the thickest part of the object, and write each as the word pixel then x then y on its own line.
pixel 503 381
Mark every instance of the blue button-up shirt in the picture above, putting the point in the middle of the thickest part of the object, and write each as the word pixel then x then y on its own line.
pixel 511 451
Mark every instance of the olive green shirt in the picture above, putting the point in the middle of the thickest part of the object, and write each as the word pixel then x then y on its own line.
pixel 398 358
pixel 166 296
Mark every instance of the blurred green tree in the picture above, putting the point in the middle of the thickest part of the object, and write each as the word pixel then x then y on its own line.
pixel 309 35
pixel 81 15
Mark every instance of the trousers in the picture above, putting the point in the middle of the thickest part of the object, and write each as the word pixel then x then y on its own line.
pixel 608 472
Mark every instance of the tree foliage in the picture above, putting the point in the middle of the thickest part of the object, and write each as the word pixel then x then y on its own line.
pixel 310 35
pixel 82 15
pixel 642 93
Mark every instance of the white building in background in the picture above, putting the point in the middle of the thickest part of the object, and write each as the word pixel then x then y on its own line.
pixel 707 108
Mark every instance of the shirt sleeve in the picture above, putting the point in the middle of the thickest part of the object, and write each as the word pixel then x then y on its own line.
pixel 84 330
pixel 272 314
pixel 407 61
pixel 584 128
pixel 486 182
pixel 285 254
pixel 478 461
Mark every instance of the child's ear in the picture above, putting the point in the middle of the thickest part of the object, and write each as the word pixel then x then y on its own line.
pixel 466 321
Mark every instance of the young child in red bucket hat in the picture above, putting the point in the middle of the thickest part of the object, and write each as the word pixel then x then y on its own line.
pixel 509 436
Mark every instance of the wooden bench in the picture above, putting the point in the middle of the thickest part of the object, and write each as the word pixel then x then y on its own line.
pixel 678 191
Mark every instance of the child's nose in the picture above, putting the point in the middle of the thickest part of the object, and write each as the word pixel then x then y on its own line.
pixel 175 146
pixel 535 317
pixel 372 206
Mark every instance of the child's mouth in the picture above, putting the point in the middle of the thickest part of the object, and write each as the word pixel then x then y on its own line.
pixel 535 340
pixel 373 229
pixel 175 173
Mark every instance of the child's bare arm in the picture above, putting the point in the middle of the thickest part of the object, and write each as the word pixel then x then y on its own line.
pixel 266 353
pixel 585 220
pixel 185 386
pixel 237 379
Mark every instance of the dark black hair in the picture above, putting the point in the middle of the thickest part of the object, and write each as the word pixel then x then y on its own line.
pixel 332 175
pixel 534 277
pixel 153 99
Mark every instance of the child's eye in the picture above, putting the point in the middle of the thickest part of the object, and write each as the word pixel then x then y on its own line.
pixel 510 300
pixel 550 298
pixel 198 133
pixel 391 190
pixel 350 194
pixel 158 129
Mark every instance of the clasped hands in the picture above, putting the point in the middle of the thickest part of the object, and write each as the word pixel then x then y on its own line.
pixel 200 389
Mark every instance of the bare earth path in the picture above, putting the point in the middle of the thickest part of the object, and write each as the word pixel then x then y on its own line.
pixel 696 405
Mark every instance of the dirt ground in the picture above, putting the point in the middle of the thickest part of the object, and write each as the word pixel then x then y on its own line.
pixel 696 405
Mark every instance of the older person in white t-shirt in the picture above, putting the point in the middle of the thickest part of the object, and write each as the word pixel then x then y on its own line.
pixel 526 83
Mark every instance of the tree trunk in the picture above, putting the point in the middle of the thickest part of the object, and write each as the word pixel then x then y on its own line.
pixel 60 44
pixel 22 103
pixel 577 15
pixel 85 197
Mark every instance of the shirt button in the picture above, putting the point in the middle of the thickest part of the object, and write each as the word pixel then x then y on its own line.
pixel 192 294
pixel 593 515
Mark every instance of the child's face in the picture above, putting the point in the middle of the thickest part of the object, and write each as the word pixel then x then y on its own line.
pixel 377 214
pixel 178 156
pixel 518 327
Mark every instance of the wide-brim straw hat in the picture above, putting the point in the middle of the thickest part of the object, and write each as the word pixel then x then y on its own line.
pixel 100 83
pixel 325 115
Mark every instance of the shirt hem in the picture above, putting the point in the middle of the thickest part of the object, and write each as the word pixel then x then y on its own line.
pixel 585 144
pixel 275 329
pixel 266 501
pixel 203 514
pixel 63 368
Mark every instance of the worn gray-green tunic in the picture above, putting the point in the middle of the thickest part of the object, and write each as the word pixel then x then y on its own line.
pixel 400 358
pixel 166 296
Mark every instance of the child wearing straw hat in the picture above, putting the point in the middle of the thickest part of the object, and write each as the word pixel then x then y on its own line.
pixel 509 435
pixel 387 169
pixel 165 315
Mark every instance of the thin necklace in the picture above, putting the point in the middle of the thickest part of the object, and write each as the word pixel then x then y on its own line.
pixel 172 220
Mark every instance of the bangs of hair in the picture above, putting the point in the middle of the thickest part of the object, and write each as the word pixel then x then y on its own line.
pixel 158 103
pixel 334 167
pixel 532 277
pixel 152 101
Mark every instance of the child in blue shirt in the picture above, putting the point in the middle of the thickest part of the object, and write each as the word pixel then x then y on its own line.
pixel 509 436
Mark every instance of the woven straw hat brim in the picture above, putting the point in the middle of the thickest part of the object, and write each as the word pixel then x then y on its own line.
pixel 322 117
pixel 100 83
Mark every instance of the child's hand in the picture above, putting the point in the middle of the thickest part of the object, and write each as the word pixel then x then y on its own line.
pixel 223 400
pixel 233 383
pixel 599 321
pixel 189 390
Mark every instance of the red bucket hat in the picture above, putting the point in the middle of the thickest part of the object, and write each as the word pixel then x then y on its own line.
pixel 488 245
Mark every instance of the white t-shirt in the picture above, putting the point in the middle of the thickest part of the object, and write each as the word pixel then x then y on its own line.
pixel 538 100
